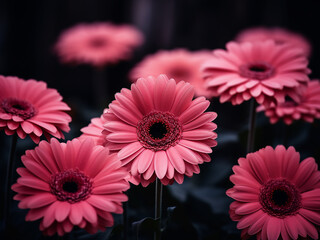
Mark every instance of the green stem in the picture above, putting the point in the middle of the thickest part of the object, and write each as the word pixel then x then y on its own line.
pixel 252 123
pixel 158 208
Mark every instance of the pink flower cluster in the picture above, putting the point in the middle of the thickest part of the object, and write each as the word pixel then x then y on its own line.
pixel 158 129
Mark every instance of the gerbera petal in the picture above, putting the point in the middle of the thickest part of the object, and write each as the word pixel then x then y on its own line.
pixel 144 160
pixel 182 99
pixel 310 215
pixel 40 200
pixel 129 150
pixel 76 214
pixel 123 114
pixel 193 112
pixel 274 227
pixel 62 211
pixel 187 154
pixel 310 229
pixel 101 203
pixel 248 208
pixel 160 163
pixel 176 160
pixel 197 146
pixel 88 212
pixel 122 137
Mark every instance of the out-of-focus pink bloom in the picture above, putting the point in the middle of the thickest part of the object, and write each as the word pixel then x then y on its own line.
pixel 28 107
pixel 71 184
pixel 94 130
pixel 261 70
pixel 97 44
pixel 179 64
pixel 159 131
pixel 279 35
pixel 276 196
pixel 307 109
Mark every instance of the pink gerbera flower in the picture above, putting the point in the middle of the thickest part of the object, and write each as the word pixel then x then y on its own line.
pixel 94 130
pixel 307 109
pixel 179 64
pixel 279 35
pixel 261 70
pixel 28 107
pixel 71 184
pixel 275 195
pixel 97 44
pixel 159 130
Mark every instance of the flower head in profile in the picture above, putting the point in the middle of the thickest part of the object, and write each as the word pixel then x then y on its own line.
pixel 159 131
pixel 179 64
pixel 306 109
pixel 279 35
pixel 261 70
pixel 97 44
pixel 276 195
pixel 71 184
pixel 94 130
pixel 28 107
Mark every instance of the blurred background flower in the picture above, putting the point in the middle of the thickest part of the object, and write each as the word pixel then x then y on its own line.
pixel 279 35
pixel 179 64
pixel 97 44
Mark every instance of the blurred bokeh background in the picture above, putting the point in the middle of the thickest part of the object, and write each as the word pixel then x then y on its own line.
pixel 197 209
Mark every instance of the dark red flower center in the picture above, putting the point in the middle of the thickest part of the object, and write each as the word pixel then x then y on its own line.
pixel 179 73
pixel 98 42
pixel 280 198
pixel 159 131
pixel 18 107
pixel 71 186
pixel 257 70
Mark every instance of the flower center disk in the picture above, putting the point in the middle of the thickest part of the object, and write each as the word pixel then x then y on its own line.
pixel 159 131
pixel 257 70
pixel 180 73
pixel 71 186
pixel 280 198
pixel 17 107
pixel 98 42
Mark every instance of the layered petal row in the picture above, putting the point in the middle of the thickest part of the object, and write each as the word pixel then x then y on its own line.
pixel 28 107
pixel 276 196
pixel 71 184
pixel 159 131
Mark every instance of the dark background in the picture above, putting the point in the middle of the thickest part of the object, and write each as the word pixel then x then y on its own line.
pixel 199 207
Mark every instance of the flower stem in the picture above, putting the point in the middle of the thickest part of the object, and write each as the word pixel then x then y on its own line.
pixel 252 123
pixel 158 208
pixel 125 220
pixel 99 87
pixel 7 199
